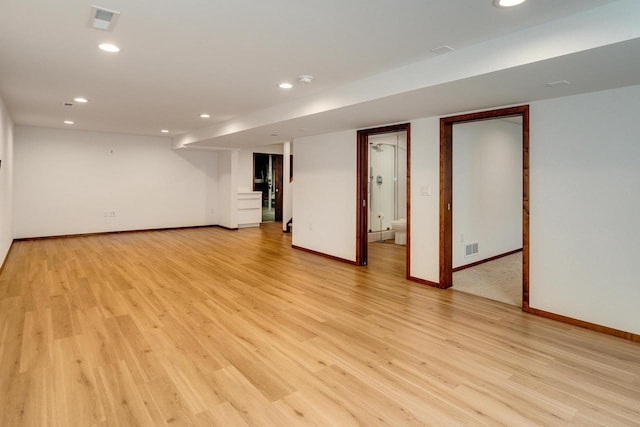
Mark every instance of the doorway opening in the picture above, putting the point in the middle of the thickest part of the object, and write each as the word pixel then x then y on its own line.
pixel 267 178
pixel 382 193
pixel 487 219
pixel 511 232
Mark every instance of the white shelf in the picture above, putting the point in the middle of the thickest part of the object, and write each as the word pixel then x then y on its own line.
pixel 249 209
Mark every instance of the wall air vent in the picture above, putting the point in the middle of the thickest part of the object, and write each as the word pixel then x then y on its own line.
pixel 470 249
pixel 103 19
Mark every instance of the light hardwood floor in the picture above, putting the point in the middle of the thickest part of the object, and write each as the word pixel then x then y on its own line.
pixel 214 327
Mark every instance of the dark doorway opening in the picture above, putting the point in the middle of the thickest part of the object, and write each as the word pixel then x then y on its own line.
pixel 267 178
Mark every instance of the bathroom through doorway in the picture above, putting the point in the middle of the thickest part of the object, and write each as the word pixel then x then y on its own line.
pixel 383 199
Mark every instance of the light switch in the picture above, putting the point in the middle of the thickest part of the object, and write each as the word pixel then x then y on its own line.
pixel 425 190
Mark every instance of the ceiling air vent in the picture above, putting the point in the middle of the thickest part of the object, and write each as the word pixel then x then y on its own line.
pixel 103 19
pixel 442 49
pixel 559 83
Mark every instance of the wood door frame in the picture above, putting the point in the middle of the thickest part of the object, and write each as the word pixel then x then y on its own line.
pixel 362 202
pixel 446 190
pixel 278 179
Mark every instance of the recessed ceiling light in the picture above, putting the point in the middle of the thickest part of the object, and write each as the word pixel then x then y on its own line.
pixel 69 122
pixel 81 100
pixel 205 116
pixel 285 85
pixel 305 78
pixel 507 3
pixel 164 131
pixel 108 47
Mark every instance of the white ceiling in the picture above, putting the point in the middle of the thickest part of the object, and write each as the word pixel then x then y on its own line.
pixel 226 57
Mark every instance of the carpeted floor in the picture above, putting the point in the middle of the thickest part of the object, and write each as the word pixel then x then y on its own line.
pixel 499 280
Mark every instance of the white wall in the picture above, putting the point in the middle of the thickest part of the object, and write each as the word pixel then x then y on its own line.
pixel 324 200
pixel 228 189
pixel 325 194
pixel 585 207
pixel 487 188
pixel 66 179
pixel 584 203
pixel 425 199
pixel 6 181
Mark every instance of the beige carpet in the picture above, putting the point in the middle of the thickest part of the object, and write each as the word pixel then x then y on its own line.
pixel 499 280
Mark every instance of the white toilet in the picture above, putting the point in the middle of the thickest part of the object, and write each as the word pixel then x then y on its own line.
pixel 400 227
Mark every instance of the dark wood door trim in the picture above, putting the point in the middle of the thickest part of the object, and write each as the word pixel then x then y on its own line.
pixel 362 202
pixel 362 160
pixel 253 173
pixel 446 190
pixel 278 178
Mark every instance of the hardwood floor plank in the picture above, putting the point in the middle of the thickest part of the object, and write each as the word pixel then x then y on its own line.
pixel 81 294
pixel 222 415
pixel 313 408
pixel 136 351
pixel 207 327
pixel 246 399
pixel 12 318
pixel 19 406
pixel 97 344
pixel 172 405
pixel 188 377
pixel 122 398
pixel 366 405
pixel 268 379
pixel 76 395
pixel 37 341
